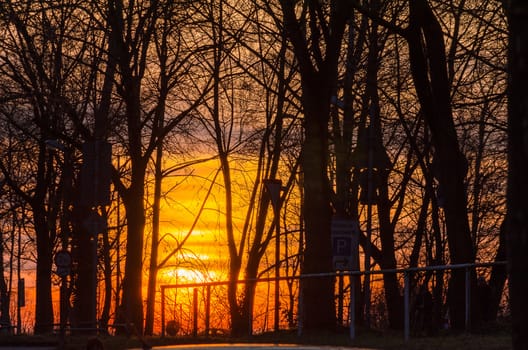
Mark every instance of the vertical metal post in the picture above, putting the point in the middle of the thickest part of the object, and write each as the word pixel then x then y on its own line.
pixel 300 311
pixel 340 300
pixel 352 307
pixel 94 279
pixel 195 312
pixel 468 298
pixel 21 285
pixel 207 309
pixel 62 312
pixel 162 311
pixel 406 308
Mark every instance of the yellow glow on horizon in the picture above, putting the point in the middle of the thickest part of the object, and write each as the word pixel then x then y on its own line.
pixel 182 275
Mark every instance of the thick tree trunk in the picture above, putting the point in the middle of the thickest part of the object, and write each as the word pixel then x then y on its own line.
pixel 518 171
pixel 318 86
pixel 429 70
pixel 82 313
pixel 132 300
pixel 251 270
pixel 318 293
pixel 43 307
pixel 107 276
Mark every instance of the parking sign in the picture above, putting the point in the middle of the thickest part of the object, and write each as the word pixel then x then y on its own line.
pixel 345 238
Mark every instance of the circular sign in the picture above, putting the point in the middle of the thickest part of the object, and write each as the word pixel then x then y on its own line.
pixel 63 258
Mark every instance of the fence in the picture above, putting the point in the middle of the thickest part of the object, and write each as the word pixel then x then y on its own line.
pixel 200 308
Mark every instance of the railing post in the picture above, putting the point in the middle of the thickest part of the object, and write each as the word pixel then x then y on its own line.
pixel 195 312
pixel 162 311
pixel 352 307
pixel 340 299
pixel 468 298
pixel 207 309
pixel 300 302
pixel 406 308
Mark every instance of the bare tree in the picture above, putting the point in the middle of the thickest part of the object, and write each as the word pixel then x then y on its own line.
pixel 316 35
pixel 133 26
pixel 517 172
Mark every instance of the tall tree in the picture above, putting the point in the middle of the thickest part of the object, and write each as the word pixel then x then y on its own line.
pixel 36 71
pixel 133 25
pixel 316 30
pixel 429 69
pixel 518 170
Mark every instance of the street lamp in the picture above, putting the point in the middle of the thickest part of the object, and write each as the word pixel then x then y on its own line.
pixel 370 158
pixel 273 188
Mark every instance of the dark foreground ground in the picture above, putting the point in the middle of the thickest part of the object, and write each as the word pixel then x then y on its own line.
pixel 490 339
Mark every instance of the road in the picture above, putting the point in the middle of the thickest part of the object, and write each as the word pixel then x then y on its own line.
pixel 251 347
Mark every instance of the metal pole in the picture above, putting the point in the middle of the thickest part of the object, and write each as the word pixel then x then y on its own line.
pixel 352 307
pixel 94 280
pixel 340 300
pixel 277 267
pixel 207 309
pixel 162 311
pixel 20 286
pixel 62 312
pixel 195 312
pixel 468 298
pixel 300 311
pixel 406 305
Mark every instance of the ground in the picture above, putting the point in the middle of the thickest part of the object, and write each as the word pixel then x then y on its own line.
pixel 495 339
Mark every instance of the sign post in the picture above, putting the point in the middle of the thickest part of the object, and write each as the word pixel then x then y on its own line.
pixel 345 242
pixel 63 262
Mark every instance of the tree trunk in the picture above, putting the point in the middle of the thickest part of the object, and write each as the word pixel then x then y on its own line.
pixel 517 192
pixel 43 307
pixel 153 266
pixel 429 70
pixel 132 300
pixel 82 311
pixel 318 293
pixel 319 82
pixel 107 273
pixel 393 297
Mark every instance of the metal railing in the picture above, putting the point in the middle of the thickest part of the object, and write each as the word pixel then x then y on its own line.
pixel 194 307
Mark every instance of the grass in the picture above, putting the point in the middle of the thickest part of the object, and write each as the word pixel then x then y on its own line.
pixel 492 339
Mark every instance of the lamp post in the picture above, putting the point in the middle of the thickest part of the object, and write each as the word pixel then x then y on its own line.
pixel 273 188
